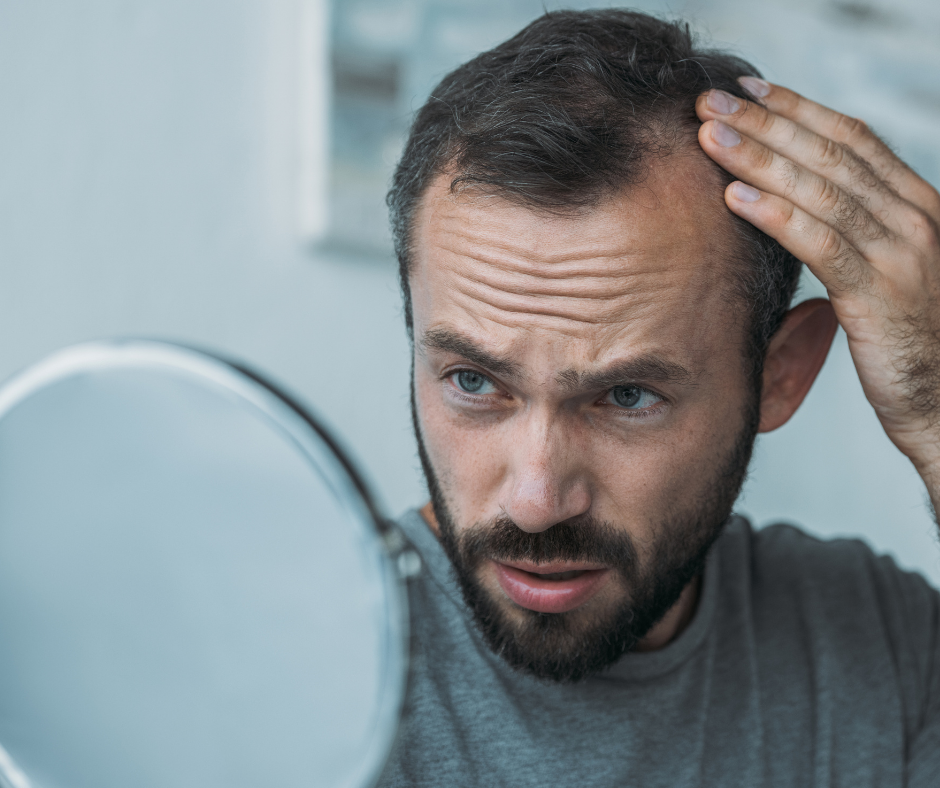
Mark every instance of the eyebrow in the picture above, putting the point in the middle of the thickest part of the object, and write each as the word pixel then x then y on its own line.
pixel 452 342
pixel 647 368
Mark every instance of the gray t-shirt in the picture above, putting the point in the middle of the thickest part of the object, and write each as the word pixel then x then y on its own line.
pixel 807 663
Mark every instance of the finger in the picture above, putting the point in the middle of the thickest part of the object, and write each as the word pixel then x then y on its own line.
pixel 825 251
pixel 833 160
pixel 767 170
pixel 856 134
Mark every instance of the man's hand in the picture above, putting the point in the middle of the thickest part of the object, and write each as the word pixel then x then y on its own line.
pixel 836 196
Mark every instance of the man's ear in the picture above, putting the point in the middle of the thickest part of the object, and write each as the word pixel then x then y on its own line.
pixel 794 358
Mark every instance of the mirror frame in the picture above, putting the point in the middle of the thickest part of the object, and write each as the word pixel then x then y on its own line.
pixel 295 423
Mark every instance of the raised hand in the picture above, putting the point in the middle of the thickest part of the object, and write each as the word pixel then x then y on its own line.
pixel 838 198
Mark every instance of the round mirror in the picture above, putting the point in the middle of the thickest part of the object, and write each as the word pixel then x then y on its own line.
pixel 195 590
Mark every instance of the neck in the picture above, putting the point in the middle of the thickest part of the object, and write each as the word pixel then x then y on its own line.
pixel 677 618
pixel 427 512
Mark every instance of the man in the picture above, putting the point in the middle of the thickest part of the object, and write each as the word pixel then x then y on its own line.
pixel 600 228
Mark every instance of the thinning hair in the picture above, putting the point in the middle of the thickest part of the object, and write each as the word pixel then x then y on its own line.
pixel 569 111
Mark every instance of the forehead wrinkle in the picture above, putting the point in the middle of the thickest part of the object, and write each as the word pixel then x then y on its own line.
pixel 485 229
pixel 593 262
pixel 640 293
pixel 537 325
pixel 604 272
pixel 551 259
pixel 604 279
pixel 554 239
pixel 578 288
pixel 586 308
pixel 500 264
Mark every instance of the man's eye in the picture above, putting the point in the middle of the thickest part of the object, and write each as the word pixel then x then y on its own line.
pixel 632 397
pixel 472 382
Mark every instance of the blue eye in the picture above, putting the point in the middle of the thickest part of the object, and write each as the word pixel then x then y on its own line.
pixel 471 382
pixel 632 397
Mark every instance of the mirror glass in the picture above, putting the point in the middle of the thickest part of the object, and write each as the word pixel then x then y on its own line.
pixel 194 590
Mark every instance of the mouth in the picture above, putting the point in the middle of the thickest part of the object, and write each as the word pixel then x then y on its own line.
pixel 550 588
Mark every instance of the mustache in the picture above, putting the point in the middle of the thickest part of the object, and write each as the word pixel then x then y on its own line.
pixel 582 538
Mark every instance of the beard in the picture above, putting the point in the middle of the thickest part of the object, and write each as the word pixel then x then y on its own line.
pixel 569 647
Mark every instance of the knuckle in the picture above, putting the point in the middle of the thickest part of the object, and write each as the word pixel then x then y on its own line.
pixel 846 270
pixel 862 171
pixel 848 211
pixel 830 154
pixel 925 233
pixel 931 203
pixel 866 176
pixel 849 129
pixel 764 158
pixel 785 217
pixel 764 122
pixel 828 196
pixel 852 216
pixel 829 247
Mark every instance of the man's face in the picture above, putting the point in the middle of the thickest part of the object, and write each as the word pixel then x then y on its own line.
pixel 582 407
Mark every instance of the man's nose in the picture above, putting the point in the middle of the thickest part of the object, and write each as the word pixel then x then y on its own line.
pixel 546 483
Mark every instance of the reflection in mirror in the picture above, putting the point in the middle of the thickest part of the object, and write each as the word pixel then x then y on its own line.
pixel 193 592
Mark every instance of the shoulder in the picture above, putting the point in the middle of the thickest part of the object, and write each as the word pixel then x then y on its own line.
pixel 782 561
pixel 785 554
pixel 846 579
pixel 837 602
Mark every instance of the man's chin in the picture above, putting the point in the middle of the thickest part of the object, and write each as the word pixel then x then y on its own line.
pixel 563 647
pixel 545 603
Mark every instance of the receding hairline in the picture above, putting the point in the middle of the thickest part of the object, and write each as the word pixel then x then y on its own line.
pixel 667 140
pixel 701 174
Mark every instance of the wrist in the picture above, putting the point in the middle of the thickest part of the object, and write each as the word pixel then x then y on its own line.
pixel 927 464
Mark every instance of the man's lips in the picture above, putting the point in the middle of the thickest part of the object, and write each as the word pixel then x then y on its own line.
pixel 550 588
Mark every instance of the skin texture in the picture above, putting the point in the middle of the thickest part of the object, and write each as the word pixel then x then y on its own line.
pixel 555 311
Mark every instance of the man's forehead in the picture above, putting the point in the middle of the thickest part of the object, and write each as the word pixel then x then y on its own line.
pixel 676 214
pixel 649 260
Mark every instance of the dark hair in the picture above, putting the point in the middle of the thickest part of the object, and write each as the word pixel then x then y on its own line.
pixel 570 110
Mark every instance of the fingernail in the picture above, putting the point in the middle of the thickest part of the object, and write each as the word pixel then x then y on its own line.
pixel 756 86
pixel 745 193
pixel 724 135
pixel 721 102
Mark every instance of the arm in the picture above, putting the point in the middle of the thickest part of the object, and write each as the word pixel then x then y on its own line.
pixel 833 194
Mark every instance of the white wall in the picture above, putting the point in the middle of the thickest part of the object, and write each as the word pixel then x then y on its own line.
pixel 148 165
pixel 147 159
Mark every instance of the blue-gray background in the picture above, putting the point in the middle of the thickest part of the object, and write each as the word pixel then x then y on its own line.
pixel 161 174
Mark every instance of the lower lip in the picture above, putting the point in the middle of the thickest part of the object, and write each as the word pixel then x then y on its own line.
pixel 549 596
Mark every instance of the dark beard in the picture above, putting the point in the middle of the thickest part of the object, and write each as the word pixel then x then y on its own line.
pixel 561 647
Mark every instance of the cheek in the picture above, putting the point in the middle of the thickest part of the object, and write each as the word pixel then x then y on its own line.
pixel 465 454
pixel 651 475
